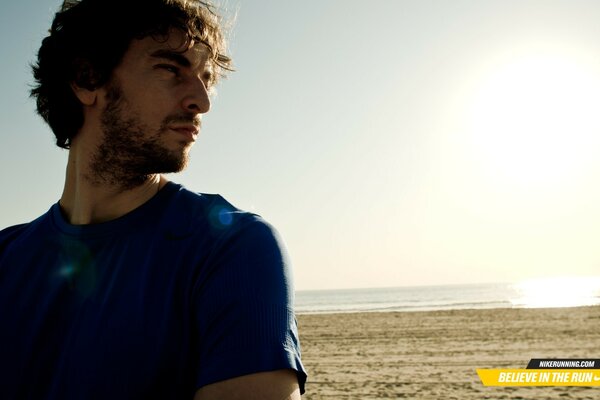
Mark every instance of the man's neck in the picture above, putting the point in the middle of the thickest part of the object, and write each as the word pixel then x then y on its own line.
pixel 87 202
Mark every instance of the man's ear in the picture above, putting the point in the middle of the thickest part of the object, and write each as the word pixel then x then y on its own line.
pixel 85 84
pixel 87 97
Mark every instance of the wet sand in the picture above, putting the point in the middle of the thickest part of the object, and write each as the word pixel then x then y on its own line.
pixel 433 355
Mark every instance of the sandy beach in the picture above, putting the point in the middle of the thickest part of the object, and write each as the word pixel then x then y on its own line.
pixel 433 355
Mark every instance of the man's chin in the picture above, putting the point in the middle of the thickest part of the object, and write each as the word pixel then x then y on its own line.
pixel 176 163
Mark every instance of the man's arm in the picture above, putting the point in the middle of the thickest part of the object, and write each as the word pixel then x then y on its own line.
pixel 273 385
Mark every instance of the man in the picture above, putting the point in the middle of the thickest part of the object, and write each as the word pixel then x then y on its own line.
pixel 131 286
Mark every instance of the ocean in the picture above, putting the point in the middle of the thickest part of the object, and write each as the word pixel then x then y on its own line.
pixel 541 293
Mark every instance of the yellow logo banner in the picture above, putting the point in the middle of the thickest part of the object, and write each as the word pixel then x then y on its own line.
pixel 539 377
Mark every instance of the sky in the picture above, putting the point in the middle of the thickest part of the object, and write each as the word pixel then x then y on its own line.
pixel 391 143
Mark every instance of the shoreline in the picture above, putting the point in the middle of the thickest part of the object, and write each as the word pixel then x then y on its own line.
pixel 438 309
pixel 434 354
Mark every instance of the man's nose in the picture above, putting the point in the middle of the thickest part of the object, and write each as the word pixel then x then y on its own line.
pixel 197 99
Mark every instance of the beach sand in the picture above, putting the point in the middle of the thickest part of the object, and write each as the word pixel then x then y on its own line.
pixel 433 355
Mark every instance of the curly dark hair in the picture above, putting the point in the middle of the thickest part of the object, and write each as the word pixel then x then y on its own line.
pixel 88 39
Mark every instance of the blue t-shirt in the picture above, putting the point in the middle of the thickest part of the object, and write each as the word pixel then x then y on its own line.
pixel 184 291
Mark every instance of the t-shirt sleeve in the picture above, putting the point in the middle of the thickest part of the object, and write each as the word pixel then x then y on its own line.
pixel 243 307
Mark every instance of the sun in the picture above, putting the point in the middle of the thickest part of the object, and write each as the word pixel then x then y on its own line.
pixel 534 120
pixel 558 292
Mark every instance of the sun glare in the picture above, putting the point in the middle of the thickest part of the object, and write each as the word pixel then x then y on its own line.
pixel 558 292
pixel 533 120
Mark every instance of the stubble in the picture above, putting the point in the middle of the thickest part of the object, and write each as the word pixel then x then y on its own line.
pixel 130 153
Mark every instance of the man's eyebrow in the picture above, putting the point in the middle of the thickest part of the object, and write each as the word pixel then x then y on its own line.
pixel 173 56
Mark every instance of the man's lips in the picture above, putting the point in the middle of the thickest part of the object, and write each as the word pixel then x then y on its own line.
pixel 189 131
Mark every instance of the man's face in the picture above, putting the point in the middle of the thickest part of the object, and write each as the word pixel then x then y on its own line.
pixel 152 112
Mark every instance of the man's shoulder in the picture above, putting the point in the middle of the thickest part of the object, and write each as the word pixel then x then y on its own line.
pixel 193 210
pixel 202 203
pixel 13 233
pixel 219 212
pixel 20 229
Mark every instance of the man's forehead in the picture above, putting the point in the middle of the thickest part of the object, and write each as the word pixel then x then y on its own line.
pixel 175 42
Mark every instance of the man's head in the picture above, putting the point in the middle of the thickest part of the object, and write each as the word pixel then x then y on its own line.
pixel 146 118
pixel 89 39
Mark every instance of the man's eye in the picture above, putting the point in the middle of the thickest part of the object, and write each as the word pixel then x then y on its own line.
pixel 169 67
pixel 208 80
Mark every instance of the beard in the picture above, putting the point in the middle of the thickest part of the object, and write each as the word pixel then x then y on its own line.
pixel 131 152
